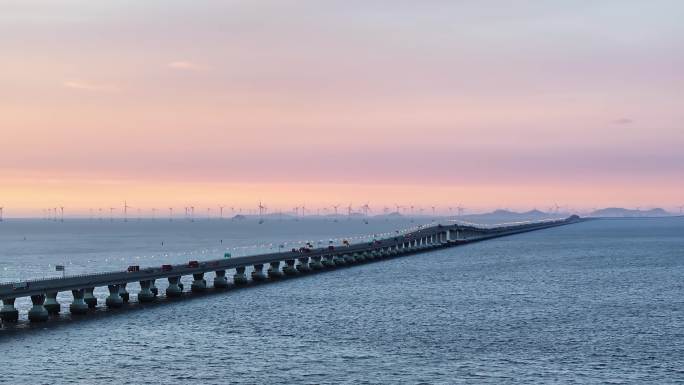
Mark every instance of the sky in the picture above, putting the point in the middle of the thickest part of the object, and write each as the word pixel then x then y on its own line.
pixel 484 104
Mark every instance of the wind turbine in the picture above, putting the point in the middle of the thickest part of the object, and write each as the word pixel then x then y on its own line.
pixel 433 211
pixel 62 213
pixel 192 213
pixel 262 209
pixel 680 209
pixel 170 214
pixel 365 209
pixel 1 208
pixel 221 209
pixel 126 207
pixel 335 207
pixel 99 213
pixel 54 210
pixel 460 210
pixel 349 210
pixel 154 213
pixel 111 214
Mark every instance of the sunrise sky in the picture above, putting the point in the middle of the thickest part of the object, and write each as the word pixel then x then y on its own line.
pixel 487 104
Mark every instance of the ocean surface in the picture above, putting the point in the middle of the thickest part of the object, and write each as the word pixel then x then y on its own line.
pixel 597 302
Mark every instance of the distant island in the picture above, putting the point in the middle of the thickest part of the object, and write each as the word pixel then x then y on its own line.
pixel 622 212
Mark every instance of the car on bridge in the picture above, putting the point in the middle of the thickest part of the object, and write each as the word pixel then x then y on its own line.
pixel 20 286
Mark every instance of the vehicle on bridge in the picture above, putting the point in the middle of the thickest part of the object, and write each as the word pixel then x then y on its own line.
pixel 20 286
pixel 193 264
pixel 133 269
pixel 167 267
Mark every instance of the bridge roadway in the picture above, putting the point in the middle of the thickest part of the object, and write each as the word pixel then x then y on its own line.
pixel 81 286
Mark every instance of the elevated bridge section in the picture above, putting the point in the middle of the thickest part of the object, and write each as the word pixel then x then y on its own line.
pixel 43 292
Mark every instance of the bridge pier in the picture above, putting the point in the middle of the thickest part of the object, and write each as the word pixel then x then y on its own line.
pixel 304 266
pixel 274 270
pixel 78 306
pixel 220 280
pixel 38 313
pixel 51 305
pixel 338 260
pixel 146 294
pixel 199 284
pixel 153 288
pixel 114 299
pixel 289 268
pixel 89 297
pixel 315 263
pixel 258 273
pixel 328 261
pixel 240 278
pixel 123 292
pixel 174 289
pixel 8 313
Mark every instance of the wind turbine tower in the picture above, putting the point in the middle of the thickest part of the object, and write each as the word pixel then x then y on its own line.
pixel 126 207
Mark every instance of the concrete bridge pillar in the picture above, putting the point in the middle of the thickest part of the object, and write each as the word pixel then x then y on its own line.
pixel 240 278
pixel 51 304
pixel 38 313
pixel 258 273
pixel 349 259
pixel 78 306
pixel 338 260
pixel 89 297
pixel 174 289
pixel 447 236
pixel 220 280
pixel 328 261
pixel 114 299
pixel 303 266
pixel 315 263
pixel 123 292
pixel 146 294
pixel 289 268
pixel 8 313
pixel 153 287
pixel 199 284
pixel 274 270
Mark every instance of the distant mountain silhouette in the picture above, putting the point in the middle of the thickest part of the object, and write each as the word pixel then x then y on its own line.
pixel 503 216
pixel 623 212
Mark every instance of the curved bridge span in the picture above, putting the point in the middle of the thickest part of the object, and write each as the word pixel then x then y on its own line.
pixel 43 292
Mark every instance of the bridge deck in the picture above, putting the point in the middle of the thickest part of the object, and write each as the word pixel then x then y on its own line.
pixel 43 286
